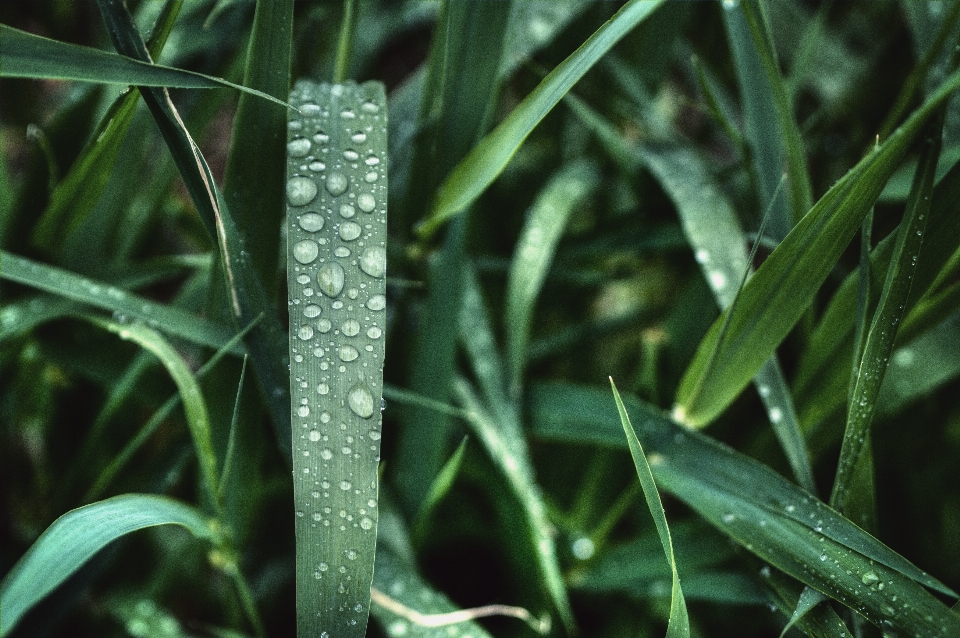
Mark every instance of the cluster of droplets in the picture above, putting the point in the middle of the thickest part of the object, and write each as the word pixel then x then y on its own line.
pixel 336 196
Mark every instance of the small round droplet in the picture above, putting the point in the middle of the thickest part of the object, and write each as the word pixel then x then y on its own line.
pixel 350 327
pixel 366 523
pixel 345 485
pixel 371 177
pixel 301 190
pixel 373 261
pixel 317 166
pixel 374 332
pixel 351 554
pixel 351 155
pixel 350 231
pixel 310 109
pixel 303 411
pixel 323 388
pixel 323 567
pixel 305 251
pixel 331 278
pixel 321 138
pixel 359 138
pixel 377 302
pixel 305 332
pixel 303 279
pixel 326 454
pixel 366 202
pixel 348 353
pixel 370 107
pixel 298 147
pixel 314 435
pixel 360 401
pixel 336 184
pixel 341 251
pixel 347 114
pixel 372 160
pixel 311 222
pixel 324 325
pixel 347 211
pixel 311 311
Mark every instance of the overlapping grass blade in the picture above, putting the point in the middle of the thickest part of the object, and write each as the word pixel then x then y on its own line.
pixel 534 253
pixel 778 521
pixel 485 162
pixel 336 268
pixel 882 335
pixel 26 55
pixel 248 296
pixel 776 296
pixel 68 285
pixel 679 623
pixel 77 536
pixel 253 185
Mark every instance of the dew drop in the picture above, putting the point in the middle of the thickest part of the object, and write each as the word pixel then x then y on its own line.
pixel 298 147
pixel 305 332
pixel 341 251
pixel 310 109
pixel 366 523
pixel 317 516
pixel 350 327
pixel 366 202
pixel 376 302
pixel 311 311
pixel 323 567
pixel 374 332
pixel 321 138
pixel 348 353
pixel 776 415
pixel 350 231
pixel 351 155
pixel 323 388
pixel 336 184
pixel 314 435
pixel 330 277
pixel 326 454
pixel 303 279
pixel 717 279
pixel 324 325
pixel 347 114
pixel 372 160
pixel 305 251
pixel 373 261
pixel 317 166
pixel 345 485
pixel 360 401
pixel 370 107
pixel 359 138
pixel 303 411
pixel 347 211
pixel 370 177
pixel 301 190
pixel 351 554
pixel 311 222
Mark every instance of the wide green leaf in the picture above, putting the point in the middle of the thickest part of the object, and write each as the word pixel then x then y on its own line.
pixel 77 536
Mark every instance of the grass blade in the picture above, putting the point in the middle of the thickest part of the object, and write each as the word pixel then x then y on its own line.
pixel 883 329
pixel 679 623
pixel 26 55
pixel 534 253
pixel 486 161
pixel 336 264
pixel 77 536
pixel 775 298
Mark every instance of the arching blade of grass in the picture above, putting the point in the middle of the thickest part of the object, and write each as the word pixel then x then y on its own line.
pixel 75 196
pixel 777 295
pixel 771 517
pixel 336 267
pixel 248 296
pixel 68 285
pixel 77 536
pixel 534 253
pixel 485 162
pixel 26 55
pixel 883 329
pixel 679 623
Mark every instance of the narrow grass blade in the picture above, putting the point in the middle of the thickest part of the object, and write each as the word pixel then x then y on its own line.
pixel 921 365
pixel 444 481
pixel 507 449
pixel 883 329
pixel 20 317
pixel 777 295
pixel 679 623
pixel 768 116
pixel 253 185
pixel 336 267
pixel 26 55
pixel 68 285
pixel 193 403
pixel 77 536
pixel 248 296
pixel 759 509
pixel 348 26
pixel 534 253
pixel 485 162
